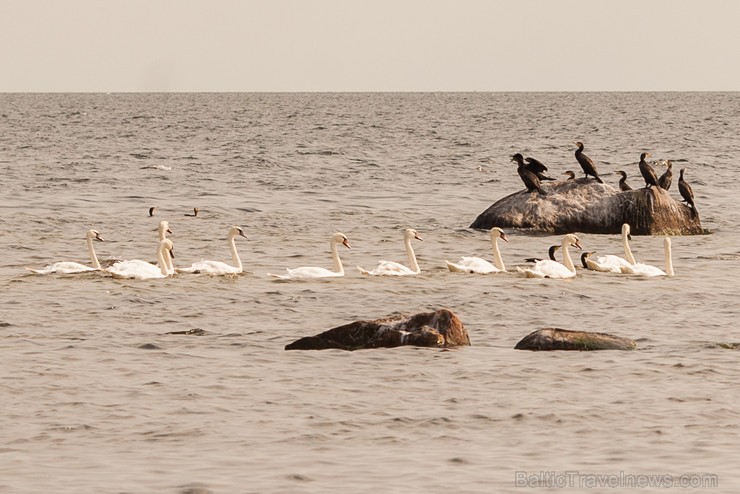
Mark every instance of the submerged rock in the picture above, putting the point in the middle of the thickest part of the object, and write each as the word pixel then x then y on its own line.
pixel 441 328
pixel 563 339
pixel 584 205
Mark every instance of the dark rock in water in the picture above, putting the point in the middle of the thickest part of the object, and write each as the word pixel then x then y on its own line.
pixel 441 328
pixel 584 205
pixel 562 339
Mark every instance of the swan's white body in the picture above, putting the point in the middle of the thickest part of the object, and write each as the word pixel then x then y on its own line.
pixel 481 266
pixel 217 267
pixel 142 270
pixel 308 272
pixel 70 267
pixel 391 268
pixel 641 269
pixel 614 264
pixel 547 268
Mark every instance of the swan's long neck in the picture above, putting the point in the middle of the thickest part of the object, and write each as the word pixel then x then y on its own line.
pixel 567 261
pixel 627 250
pixel 91 250
pixel 668 258
pixel 338 268
pixel 234 253
pixel 497 254
pixel 412 257
pixel 163 261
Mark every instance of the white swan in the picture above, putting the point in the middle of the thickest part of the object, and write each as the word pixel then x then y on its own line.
pixel 610 263
pixel 218 267
pixel 142 270
pixel 390 268
pixel 69 267
pixel 311 272
pixel 641 269
pixel 478 265
pixel 553 269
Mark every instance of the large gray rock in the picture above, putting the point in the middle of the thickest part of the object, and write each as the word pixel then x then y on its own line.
pixel 584 205
pixel 547 339
pixel 441 328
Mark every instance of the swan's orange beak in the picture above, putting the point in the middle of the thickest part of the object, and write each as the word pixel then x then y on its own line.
pixel 417 237
pixel 502 236
pixel 578 244
pixel 345 242
pixel 99 238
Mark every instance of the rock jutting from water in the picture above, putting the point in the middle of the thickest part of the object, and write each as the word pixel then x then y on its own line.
pixel 441 328
pixel 584 205
pixel 548 339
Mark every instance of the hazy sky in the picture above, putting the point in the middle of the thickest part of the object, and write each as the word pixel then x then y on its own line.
pixel 369 45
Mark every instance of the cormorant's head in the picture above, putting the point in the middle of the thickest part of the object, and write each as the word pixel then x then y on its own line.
pixel 518 158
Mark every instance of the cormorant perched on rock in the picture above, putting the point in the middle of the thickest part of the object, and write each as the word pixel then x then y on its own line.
pixel 586 164
pixel 623 186
pixel 665 180
pixel 570 174
pixel 537 168
pixel 685 189
pixel 528 177
pixel 647 171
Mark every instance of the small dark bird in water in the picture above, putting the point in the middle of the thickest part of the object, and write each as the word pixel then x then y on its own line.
pixel 550 253
pixel 586 164
pixel 571 175
pixel 151 210
pixel 537 168
pixel 585 256
pixel 528 177
pixel 685 189
pixel 195 212
pixel 647 171
pixel 623 186
pixel 666 179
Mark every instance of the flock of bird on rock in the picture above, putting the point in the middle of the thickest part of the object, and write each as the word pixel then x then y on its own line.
pixel 532 172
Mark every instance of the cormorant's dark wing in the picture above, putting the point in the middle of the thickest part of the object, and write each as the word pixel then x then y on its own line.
pixel 535 166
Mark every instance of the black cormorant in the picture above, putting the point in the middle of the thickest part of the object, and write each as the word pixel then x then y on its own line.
pixel 685 189
pixel 550 253
pixel 528 177
pixel 537 168
pixel 647 171
pixel 665 180
pixel 586 164
pixel 622 181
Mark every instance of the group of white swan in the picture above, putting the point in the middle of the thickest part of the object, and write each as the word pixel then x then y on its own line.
pixel 137 269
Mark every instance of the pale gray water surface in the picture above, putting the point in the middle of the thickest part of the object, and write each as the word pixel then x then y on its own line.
pixel 97 397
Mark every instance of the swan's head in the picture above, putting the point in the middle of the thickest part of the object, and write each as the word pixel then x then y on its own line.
pixel 572 240
pixel 667 243
pixel 341 238
pixel 518 158
pixel 411 233
pixel 496 231
pixel 164 226
pixel 168 247
pixel 93 234
pixel 571 175
pixel 626 231
pixel 236 231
